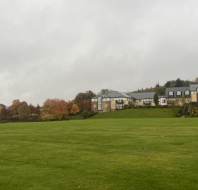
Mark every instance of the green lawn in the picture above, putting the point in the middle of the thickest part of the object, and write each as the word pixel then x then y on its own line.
pixel 140 113
pixel 112 154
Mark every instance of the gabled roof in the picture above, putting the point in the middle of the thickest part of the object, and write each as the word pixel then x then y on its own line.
pixel 193 87
pixel 141 95
pixel 176 89
pixel 111 94
pixel 162 96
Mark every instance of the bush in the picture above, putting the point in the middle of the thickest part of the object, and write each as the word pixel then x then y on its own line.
pixel 87 114
pixel 189 110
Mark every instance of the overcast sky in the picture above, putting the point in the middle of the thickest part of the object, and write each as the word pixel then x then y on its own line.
pixel 57 48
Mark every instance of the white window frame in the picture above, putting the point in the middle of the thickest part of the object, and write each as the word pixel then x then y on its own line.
pixel 179 93
pixel 187 93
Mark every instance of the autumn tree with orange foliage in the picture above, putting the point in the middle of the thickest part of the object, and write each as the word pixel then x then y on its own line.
pixel 54 109
pixel 75 109
pixel 19 110
pixel 69 106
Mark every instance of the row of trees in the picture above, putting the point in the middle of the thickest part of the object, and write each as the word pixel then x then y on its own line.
pixel 58 110
pixel 52 109
pixel 19 111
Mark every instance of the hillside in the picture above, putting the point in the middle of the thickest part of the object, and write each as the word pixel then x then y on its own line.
pixel 100 154
pixel 140 113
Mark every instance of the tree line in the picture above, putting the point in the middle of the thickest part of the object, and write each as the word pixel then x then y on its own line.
pixel 80 107
pixel 160 89
pixel 52 109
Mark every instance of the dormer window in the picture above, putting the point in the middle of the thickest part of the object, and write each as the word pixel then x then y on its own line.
pixel 179 93
pixel 187 93
pixel 170 93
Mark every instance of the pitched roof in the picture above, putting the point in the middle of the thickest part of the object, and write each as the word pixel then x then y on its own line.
pixel 111 94
pixel 141 95
pixel 193 87
pixel 175 89
pixel 162 96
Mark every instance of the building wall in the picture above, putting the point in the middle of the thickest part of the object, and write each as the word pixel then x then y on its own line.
pixel 108 104
pixel 163 102
pixel 144 102
pixel 113 105
pixel 126 101
pixel 94 106
pixel 194 96
pixel 138 103
pixel 178 101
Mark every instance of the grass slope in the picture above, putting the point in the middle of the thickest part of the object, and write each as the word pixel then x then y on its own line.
pixel 140 113
pixel 121 154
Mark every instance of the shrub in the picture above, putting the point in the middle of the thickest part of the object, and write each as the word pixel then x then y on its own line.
pixel 189 110
pixel 87 114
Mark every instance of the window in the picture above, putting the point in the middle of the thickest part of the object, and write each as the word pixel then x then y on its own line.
pixel 119 106
pixel 119 101
pixel 106 99
pixel 187 93
pixel 179 93
pixel 170 93
pixel 100 103
pixel 147 102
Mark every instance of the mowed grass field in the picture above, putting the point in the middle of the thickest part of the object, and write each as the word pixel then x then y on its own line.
pixel 140 113
pixel 100 154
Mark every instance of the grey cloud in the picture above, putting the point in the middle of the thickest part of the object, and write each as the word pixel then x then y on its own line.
pixel 56 48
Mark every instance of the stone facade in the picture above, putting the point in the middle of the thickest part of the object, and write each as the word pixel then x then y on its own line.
pixel 178 101
pixel 194 92
pixel 194 97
